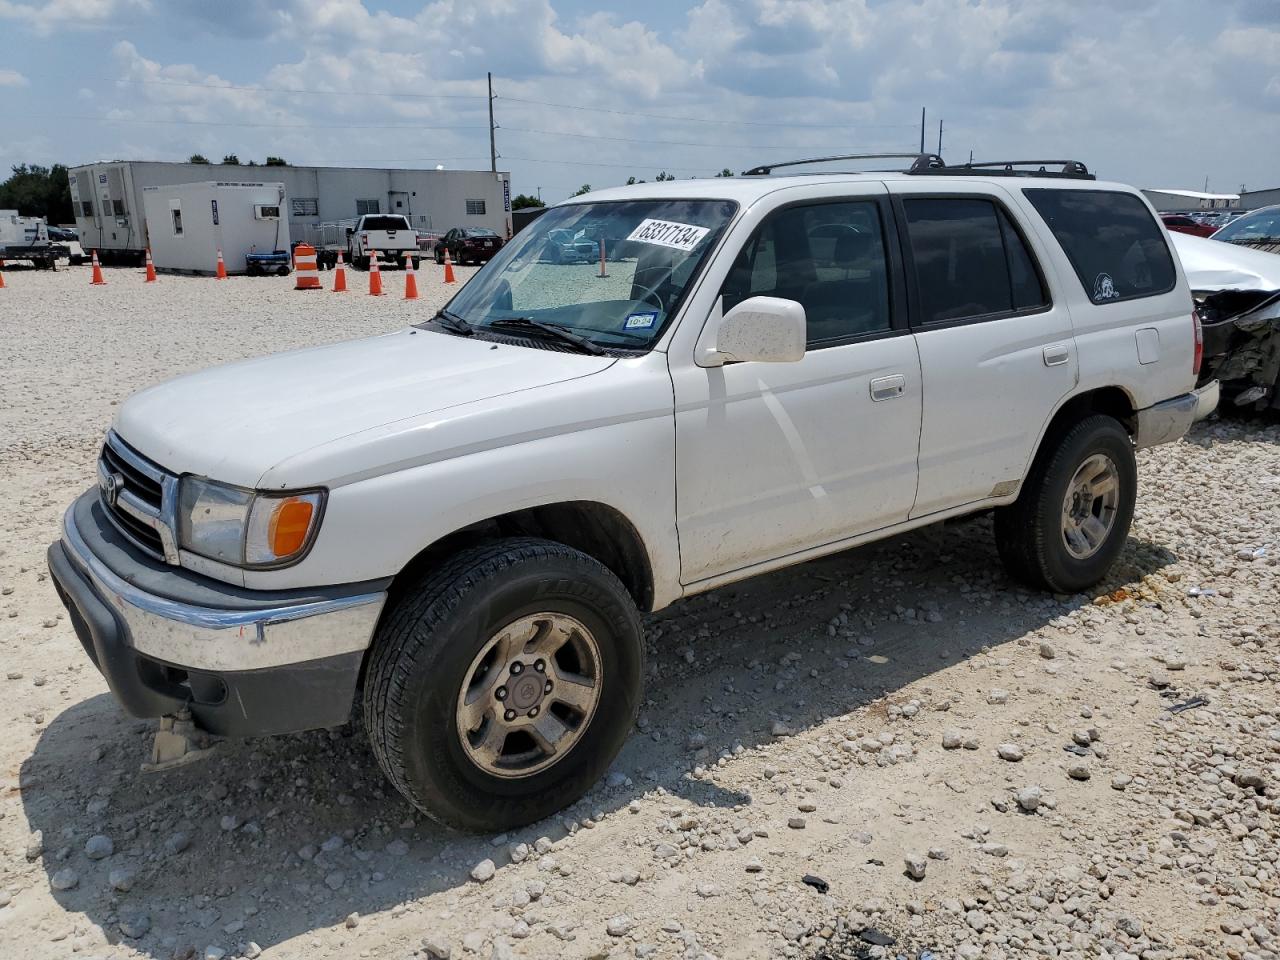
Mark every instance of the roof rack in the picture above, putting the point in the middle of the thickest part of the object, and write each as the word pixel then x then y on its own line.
pixel 920 162
pixel 1069 169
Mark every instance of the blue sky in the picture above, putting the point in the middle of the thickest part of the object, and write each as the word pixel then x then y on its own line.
pixel 1153 92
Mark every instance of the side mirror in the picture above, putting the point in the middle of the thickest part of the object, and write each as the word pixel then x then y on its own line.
pixel 764 329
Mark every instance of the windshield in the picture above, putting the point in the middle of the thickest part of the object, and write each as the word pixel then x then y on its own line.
pixel 1263 225
pixel 385 223
pixel 551 271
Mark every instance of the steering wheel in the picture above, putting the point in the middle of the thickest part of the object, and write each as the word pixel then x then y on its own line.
pixel 652 291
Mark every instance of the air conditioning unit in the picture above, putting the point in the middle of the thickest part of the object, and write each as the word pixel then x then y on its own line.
pixel 266 211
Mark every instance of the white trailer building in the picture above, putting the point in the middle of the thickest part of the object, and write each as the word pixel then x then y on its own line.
pixel 107 197
pixel 188 223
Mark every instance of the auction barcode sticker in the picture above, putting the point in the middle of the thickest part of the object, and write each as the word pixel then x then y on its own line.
pixel 665 233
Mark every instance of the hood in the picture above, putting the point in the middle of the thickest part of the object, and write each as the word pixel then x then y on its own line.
pixel 234 422
pixel 1218 265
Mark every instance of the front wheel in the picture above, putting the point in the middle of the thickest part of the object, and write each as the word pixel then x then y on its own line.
pixel 502 685
pixel 1071 519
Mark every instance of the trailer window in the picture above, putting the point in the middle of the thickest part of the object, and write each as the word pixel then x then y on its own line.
pixel 176 212
pixel 86 208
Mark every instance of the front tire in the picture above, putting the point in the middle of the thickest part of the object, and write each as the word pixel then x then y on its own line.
pixel 1071 519
pixel 502 685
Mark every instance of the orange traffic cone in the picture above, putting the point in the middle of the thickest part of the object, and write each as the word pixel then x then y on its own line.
pixel 97 280
pixel 410 280
pixel 375 275
pixel 1 274
pixel 222 267
pixel 448 267
pixel 339 276
pixel 151 268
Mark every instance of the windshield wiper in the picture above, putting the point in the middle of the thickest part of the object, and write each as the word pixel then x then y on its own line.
pixel 454 323
pixel 560 333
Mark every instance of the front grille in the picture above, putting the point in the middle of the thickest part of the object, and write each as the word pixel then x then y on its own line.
pixel 138 497
pixel 145 488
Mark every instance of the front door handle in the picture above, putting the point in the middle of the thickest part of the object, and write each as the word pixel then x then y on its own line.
pixel 886 388
pixel 1056 354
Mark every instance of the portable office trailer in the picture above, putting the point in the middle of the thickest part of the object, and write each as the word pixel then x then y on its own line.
pixel 188 223
pixel 107 197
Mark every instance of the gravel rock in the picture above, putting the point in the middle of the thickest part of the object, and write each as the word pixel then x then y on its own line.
pixel 135 925
pixel 121 878
pixel 915 866
pixel 99 847
pixel 620 925
pixel 1029 799
pixel 483 871
pixel 64 879
pixel 1079 771
pixel 1009 751
pixel 437 948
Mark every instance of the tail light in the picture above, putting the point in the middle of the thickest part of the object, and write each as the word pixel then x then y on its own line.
pixel 1198 357
pixel 364 239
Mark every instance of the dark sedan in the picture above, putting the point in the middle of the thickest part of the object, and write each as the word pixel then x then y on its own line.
pixel 468 245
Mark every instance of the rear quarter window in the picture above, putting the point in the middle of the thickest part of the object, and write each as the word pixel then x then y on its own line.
pixel 1114 244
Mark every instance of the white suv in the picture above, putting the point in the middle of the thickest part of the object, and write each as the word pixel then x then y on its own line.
pixel 456 527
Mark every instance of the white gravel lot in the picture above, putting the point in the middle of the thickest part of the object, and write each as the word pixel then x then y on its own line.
pixel 847 719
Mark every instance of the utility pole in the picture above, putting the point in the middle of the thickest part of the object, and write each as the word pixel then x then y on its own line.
pixel 922 129
pixel 493 146
pixel 939 138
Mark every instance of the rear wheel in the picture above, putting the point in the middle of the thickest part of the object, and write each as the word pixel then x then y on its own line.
pixel 502 685
pixel 1070 522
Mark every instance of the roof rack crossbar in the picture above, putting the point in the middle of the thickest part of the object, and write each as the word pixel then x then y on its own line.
pixel 1072 169
pixel 919 162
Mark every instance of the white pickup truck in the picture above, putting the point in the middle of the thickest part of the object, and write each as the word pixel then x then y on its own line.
pixel 455 528
pixel 388 235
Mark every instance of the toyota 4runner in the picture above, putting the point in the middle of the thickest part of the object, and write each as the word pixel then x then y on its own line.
pixel 455 528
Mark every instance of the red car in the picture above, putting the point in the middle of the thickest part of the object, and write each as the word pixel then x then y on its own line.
pixel 1179 223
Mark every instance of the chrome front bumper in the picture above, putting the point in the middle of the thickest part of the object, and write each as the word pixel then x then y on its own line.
pixel 1169 420
pixel 242 662
pixel 207 638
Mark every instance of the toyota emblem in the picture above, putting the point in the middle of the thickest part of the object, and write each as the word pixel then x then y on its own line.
pixel 110 483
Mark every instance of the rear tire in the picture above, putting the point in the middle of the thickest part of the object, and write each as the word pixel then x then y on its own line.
pixel 1039 535
pixel 424 661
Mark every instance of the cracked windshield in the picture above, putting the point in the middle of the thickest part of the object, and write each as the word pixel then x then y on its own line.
pixel 612 274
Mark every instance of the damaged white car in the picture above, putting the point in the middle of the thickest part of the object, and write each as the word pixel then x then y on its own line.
pixel 1237 292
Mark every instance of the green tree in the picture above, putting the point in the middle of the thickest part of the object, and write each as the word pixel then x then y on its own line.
pixel 277 162
pixel 726 172
pixel 36 191
pixel 585 188
pixel 664 176
pixel 231 160
pixel 197 158
pixel 632 181
pixel 523 200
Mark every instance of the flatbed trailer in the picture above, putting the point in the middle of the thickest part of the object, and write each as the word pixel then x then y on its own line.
pixel 43 256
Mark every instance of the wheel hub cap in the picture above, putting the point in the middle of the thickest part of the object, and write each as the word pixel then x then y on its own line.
pixel 529 695
pixel 1090 505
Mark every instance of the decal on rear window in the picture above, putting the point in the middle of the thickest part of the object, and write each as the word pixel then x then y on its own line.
pixel 1104 288
pixel 666 233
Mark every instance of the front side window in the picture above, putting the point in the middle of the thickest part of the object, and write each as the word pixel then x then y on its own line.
pixel 829 258
pixel 550 272
pixel 1114 244
pixel 969 260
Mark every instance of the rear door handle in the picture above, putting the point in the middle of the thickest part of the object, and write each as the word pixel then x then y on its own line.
pixel 886 388
pixel 1056 354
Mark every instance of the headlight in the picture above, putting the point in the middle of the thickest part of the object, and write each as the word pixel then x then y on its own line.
pixel 244 528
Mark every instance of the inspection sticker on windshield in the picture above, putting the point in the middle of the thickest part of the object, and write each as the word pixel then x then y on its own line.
pixel 667 233
pixel 641 321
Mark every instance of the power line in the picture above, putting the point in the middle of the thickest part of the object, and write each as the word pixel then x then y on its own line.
pixel 240 123
pixel 294 90
pixel 746 123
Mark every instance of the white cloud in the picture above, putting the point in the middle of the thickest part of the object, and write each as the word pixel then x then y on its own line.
pixel 46 16
pixel 12 78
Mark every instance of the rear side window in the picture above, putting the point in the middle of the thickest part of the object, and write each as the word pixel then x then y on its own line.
pixel 1114 244
pixel 970 261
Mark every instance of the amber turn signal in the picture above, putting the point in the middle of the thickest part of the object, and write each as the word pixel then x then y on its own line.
pixel 288 527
